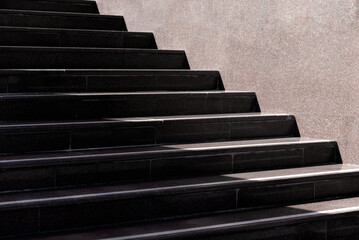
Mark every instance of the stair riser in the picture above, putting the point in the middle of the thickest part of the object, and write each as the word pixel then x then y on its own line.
pixel 123 106
pixel 112 210
pixel 113 135
pixel 49 5
pixel 109 83
pixel 51 20
pixel 44 38
pixel 144 167
pixel 37 58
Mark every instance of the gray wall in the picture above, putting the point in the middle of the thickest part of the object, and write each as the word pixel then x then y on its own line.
pixel 300 56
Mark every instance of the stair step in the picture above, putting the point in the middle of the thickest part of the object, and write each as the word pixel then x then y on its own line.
pixel 70 106
pixel 21 81
pixel 49 136
pixel 104 136
pixel 26 18
pixel 56 37
pixel 325 220
pixel 80 6
pixel 144 163
pixel 13 57
pixel 47 211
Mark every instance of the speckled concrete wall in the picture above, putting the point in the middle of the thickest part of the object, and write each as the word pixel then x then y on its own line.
pixel 301 57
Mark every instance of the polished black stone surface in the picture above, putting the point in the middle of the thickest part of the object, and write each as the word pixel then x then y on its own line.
pixel 324 220
pixel 111 204
pixel 77 106
pixel 25 18
pixel 90 58
pixel 66 135
pixel 52 37
pixel 79 6
pixel 64 168
pixel 102 80
pixel 104 136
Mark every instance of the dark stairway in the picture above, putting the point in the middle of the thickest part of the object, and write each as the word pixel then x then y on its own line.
pixel 103 136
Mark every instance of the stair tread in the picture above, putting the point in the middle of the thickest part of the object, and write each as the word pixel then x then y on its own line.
pixel 88 49
pixel 65 30
pixel 159 119
pixel 252 219
pixel 73 37
pixel 76 1
pixel 102 80
pixel 54 13
pixel 55 19
pixel 177 186
pixel 152 130
pixel 80 1
pixel 84 57
pixel 155 149
pixel 104 71
pixel 114 94
pixel 97 105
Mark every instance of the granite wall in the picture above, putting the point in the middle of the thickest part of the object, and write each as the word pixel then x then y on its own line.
pixel 300 57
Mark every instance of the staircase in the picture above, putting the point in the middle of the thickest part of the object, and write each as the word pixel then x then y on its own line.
pixel 103 136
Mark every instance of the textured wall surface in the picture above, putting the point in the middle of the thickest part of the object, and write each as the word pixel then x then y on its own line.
pixel 301 57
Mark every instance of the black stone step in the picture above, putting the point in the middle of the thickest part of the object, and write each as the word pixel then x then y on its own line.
pixel 12 57
pixel 45 211
pixel 70 106
pixel 72 168
pixel 56 37
pixel 22 81
pixel 26 18
pixel 32 137
pixel 79 6
pixel 325 220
